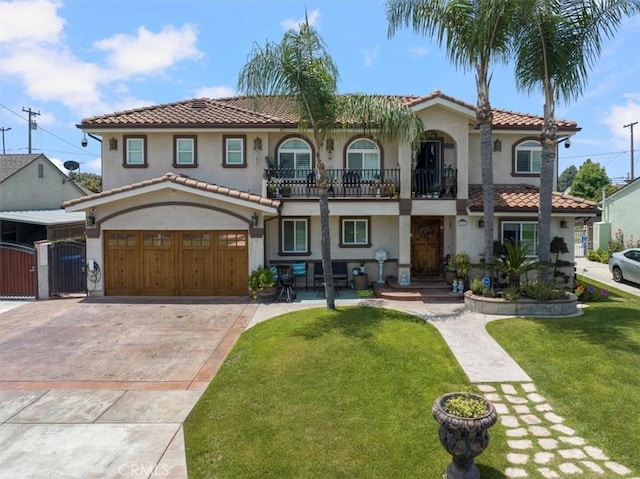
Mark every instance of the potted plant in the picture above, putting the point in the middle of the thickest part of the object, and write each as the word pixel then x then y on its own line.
pixel 464 419
pixel 262 284
pixel 450 268
pixel 463 265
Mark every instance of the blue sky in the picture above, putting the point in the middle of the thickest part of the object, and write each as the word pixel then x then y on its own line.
pixel 73 59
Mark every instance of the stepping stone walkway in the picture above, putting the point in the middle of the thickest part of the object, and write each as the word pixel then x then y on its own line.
pixel 541 445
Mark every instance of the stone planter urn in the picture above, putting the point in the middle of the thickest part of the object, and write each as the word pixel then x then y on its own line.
pixel 464 438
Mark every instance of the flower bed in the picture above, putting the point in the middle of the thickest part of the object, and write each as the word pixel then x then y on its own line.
pixel 523 306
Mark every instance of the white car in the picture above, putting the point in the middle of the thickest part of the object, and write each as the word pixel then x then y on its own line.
pixel 625 265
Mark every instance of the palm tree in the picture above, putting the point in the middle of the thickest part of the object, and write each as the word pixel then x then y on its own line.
pixel 300 70
pixel 556 42
pixel 475 32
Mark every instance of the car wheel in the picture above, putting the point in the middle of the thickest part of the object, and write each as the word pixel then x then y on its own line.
pixel 617 274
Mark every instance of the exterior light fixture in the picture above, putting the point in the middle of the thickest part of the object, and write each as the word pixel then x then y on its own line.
pixel 91 219
pixel 113 143
pixel 563 224
pixel 497 145
pixel 257 143
pixel 254 219
pixel 480 223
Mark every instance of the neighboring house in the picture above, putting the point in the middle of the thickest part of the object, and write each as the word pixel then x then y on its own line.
pixel 198 193
pixel 619 212
pixel 32 190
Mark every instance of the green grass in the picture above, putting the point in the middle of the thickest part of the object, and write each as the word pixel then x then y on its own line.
pixel 330 394
pixel 589 369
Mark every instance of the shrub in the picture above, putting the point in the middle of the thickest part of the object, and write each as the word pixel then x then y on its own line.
pixel 511 293
pixel 600 255
pixel 488 292
pixel 541 290
pixel 261 278
pixel 617 243
pixel 476 286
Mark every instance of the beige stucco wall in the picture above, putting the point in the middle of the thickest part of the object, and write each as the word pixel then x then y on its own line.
pixel 24 190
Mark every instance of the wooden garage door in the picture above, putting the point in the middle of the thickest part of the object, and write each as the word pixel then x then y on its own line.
pixel 180 263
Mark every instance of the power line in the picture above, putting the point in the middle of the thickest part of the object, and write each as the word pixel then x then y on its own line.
pixel 84 151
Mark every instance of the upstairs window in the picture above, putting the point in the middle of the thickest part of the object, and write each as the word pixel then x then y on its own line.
pixel 184 148
pixel 363 154
pixel 235 148
pixel 135 152
pixel 528 157
pixel 294 158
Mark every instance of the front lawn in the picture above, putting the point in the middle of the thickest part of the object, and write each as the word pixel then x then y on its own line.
pixel 330 394
pixel 589 369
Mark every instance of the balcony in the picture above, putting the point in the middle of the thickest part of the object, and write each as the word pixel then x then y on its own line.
pixel 434 184
pixel 351 183
pixel 362 183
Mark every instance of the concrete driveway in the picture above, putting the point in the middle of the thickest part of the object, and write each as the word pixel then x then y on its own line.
pixel 99 388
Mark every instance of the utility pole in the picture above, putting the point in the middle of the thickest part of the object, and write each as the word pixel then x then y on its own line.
pixel 3 129
pixel 630 125
pixel 32 124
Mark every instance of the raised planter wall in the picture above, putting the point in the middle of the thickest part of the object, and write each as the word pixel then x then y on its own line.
pixel 522 307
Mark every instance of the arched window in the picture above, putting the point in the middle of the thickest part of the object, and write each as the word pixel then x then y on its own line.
pixel 295 154
pixel 363 154
pixel 528 157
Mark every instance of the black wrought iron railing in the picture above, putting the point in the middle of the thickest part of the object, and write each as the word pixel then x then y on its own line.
pixel 434 183
pixel 370 183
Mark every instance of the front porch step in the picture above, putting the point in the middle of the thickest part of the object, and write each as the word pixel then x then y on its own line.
pixel 426 291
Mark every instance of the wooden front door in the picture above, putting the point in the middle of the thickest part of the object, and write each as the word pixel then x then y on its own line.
pixel 426 246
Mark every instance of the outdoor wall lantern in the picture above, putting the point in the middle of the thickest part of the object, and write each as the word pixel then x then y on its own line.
pixel 257 144
pixel 480 223
pixel 563 224
pixel 113 144
pixel 497 145
pixel 254 219
pixel 91 219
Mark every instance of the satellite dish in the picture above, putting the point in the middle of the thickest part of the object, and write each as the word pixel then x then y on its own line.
pixel 71 165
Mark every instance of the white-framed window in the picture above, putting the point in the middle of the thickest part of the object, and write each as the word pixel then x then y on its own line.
pixel 294 158
pixel 185 151
pixel 135 153
pixel 364 154
pixel 521 233
pixel 528 157
pixel 235 151
pixel 354 232
pixel 295 235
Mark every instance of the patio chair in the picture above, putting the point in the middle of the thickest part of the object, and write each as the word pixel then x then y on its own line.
pixel 352 183
pixel 298 270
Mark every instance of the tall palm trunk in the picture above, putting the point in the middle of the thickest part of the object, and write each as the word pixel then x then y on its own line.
pixel 548 139
pixel 325 235
pixel 484 117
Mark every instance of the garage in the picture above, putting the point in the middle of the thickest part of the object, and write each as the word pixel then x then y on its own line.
pixel 176 263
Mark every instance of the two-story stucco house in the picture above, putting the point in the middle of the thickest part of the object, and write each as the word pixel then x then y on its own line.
pixel 200 192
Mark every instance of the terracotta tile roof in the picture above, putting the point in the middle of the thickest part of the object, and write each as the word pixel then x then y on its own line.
pixel 180 180
pixel 244 111
pixel 525 199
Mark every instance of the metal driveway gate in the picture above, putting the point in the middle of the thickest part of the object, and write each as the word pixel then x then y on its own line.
pixel 17 271
pixel 67 271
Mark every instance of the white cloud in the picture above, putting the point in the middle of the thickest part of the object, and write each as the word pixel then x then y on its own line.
pixel 419 51
pixel 215 92
pixel 147 52
pixel 370 56
pixel 294 24
pixel 619 115
pixel 30 21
